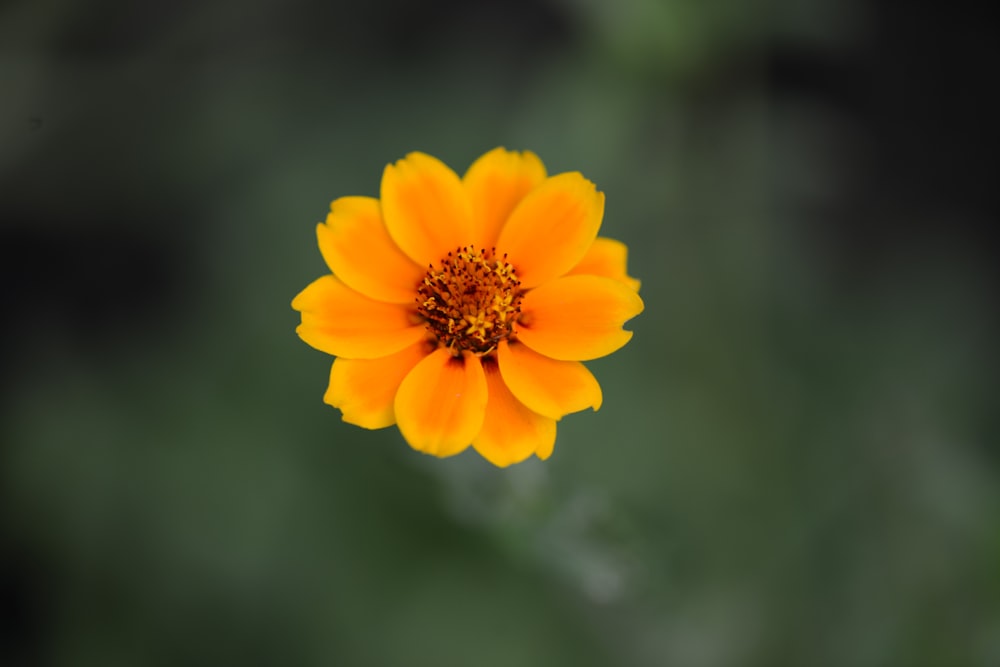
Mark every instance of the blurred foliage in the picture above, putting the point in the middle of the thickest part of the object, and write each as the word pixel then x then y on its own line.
pixel 796 460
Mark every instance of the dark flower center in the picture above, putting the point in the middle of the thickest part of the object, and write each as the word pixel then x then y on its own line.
pixel 470 300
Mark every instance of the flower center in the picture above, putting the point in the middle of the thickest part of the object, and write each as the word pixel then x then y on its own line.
pixel 471 300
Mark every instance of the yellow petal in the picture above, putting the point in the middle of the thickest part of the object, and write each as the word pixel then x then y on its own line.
pixel 425 208
pixel 440 405
pixel 365 389
pixel 577 317
pixel 496 183
pixel 552 228
pixel 359 251
pixel 339 321
pixel 608 258
pixel 511 432
pixel 545 451
pixel 547 386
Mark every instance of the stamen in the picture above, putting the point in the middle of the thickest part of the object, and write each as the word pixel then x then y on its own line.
pixel 471 301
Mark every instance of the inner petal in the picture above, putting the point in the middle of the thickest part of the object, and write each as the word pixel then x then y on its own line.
pixel 441 403
pixel 511 432
pixel 426 210
pixel 339 321
pixel 552 228
pixel 548 386
pixel 364 390
pixel 496 183
pixel 359 251
pixel 576 318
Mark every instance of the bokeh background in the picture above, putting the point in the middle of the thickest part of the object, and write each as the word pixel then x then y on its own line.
pixel 797 459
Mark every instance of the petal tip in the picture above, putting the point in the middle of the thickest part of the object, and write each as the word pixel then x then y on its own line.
pixel 596 405
pixel 545 451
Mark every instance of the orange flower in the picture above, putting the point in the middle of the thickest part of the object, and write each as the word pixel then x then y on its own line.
pixel 460 308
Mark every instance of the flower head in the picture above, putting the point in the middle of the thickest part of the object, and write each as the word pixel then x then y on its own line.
pixel 460 309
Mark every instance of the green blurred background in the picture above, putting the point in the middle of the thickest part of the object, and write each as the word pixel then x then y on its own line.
pixel 796 462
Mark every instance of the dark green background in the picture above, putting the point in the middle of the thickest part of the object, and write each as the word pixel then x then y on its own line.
pixel 796 462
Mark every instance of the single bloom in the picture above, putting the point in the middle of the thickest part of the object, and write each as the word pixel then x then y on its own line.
pixel 460 309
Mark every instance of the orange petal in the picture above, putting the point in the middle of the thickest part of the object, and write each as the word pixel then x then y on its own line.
pixel 496 183
pixel 511 432
pixel 607 258
pixel 549 387
pixel 339 321
pixel 551 229
pixel 364 389
pixel 357 248
pixel 441 404
pixel 577 317
pixel 425 208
